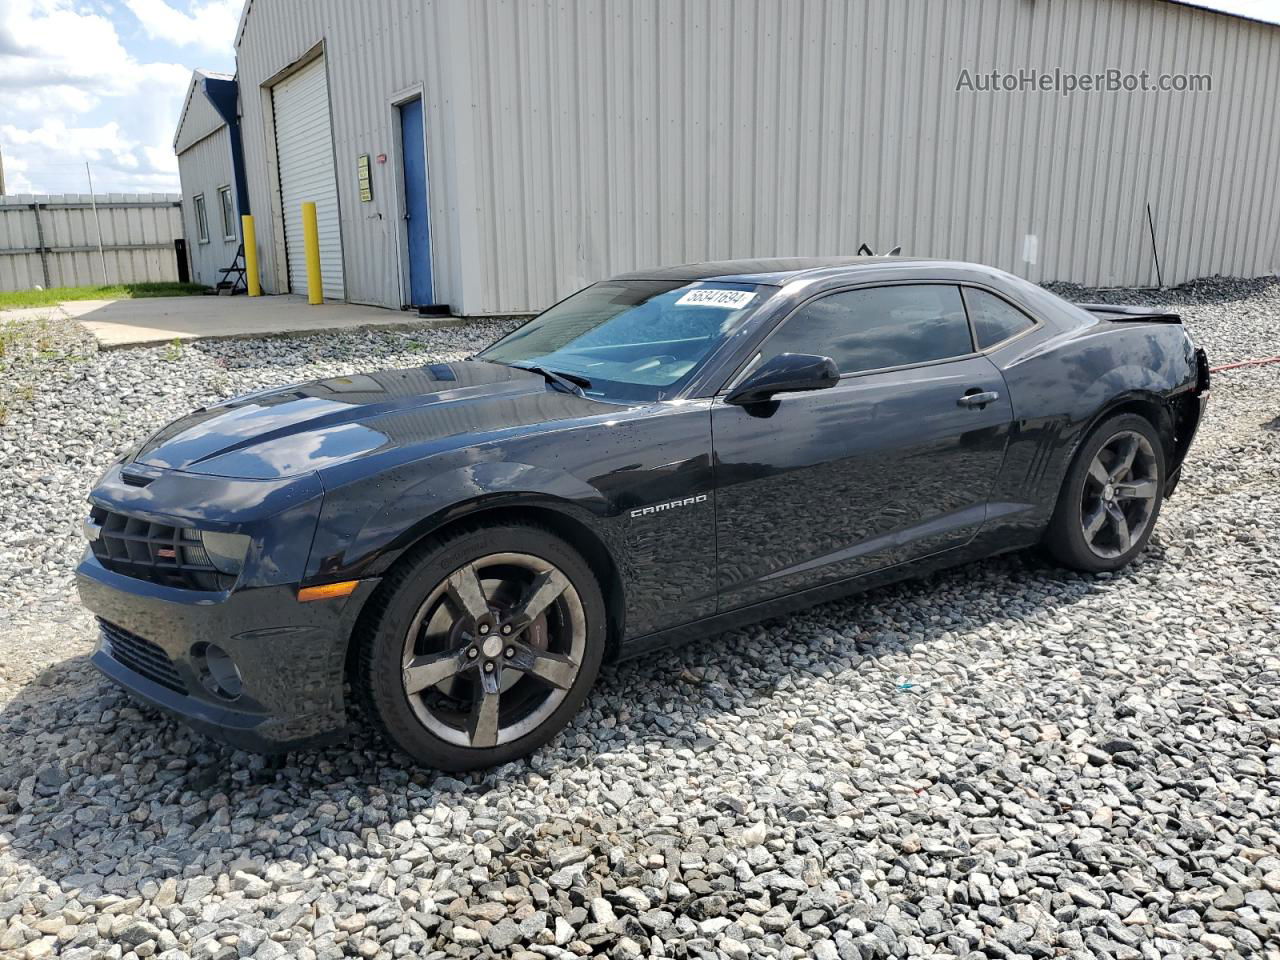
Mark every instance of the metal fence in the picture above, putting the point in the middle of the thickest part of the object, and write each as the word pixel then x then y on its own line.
pixel 52 241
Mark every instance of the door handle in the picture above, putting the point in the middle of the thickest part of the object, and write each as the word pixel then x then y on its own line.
pixel 978 398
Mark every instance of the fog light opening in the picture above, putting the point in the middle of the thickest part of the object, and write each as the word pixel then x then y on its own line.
pixel 218 672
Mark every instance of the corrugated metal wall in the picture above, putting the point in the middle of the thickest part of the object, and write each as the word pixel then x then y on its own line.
pixel 609 136
pixel 204 167
pixel 52 241
pixel 199 118
pixel 372 51
pixel 615 135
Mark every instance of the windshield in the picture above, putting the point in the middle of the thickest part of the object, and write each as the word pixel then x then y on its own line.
pixel 632 339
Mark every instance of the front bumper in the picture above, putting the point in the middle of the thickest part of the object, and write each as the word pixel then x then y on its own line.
pixel 291 655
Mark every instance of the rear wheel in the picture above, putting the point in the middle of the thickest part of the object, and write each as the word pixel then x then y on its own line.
pixel 482 646
pixel 1111 496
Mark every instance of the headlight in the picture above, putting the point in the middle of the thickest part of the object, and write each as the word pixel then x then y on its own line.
pixel 223 551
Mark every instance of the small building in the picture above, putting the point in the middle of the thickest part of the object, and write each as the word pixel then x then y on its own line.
pixel 494 156
pixel 211 168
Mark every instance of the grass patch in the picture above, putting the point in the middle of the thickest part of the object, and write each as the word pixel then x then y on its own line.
pixel 173 351
pixel 116 291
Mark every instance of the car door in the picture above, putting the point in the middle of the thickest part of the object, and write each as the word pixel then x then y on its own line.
pixel 892 464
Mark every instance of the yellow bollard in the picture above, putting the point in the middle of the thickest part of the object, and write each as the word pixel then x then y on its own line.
pixel 250 255
pixel 311 240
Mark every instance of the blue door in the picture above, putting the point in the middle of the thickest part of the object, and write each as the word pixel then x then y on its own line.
pixel 414 166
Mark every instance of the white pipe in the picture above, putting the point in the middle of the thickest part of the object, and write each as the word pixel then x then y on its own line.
pixel 97 223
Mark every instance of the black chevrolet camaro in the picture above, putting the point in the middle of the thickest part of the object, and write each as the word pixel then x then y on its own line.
pixel 660 456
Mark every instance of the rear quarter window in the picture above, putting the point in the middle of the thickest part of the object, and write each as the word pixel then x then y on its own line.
pixel 994 320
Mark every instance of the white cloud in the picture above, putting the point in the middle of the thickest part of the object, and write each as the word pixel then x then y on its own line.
pixel 50 158
pixel 15 175
pixel 71 92
pixel 51 46
pixel 210 25
pixel 90 142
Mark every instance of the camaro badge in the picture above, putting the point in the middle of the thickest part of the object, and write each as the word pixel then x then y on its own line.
pixel 670 505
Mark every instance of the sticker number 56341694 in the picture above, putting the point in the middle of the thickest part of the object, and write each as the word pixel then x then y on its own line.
pixel 713 297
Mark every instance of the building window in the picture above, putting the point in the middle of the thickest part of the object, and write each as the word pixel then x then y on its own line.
pixel 228 213
pixel 202 219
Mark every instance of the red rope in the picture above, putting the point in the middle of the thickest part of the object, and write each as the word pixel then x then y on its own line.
pixel 1244 363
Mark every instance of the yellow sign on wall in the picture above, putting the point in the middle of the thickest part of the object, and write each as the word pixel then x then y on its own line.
pixel 362 175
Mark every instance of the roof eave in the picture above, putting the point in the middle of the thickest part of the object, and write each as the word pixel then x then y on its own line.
pixel 198 80
pixel 244 19
pixel 186 104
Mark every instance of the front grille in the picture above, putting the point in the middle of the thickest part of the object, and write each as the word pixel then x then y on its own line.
pixel 171 556
pixel 141 656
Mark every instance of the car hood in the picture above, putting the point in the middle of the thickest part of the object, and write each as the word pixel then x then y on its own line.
pixel 298 429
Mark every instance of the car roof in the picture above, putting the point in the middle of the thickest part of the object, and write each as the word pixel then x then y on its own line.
pixel 779 271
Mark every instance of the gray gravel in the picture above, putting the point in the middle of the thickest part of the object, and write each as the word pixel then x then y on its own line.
pixel 1003 761
pixel 79 409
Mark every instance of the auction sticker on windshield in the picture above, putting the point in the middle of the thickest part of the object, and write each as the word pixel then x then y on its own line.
pixel 710 297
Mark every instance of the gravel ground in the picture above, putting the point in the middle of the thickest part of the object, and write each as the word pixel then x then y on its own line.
pixel 1003 761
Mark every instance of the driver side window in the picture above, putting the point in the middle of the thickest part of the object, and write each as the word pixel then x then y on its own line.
pixel 878 327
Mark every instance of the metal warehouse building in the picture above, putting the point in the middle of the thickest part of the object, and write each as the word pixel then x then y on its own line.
pixel 495 155
pixel 207 143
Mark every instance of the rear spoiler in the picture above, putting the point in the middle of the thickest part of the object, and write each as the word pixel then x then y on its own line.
pixel 1126 314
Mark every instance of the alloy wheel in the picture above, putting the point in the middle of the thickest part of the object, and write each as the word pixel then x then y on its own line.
pixel 494 650
pixel 1119 496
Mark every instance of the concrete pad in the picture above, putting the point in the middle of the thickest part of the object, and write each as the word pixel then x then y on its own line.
pixel 155 320
pixel 31 313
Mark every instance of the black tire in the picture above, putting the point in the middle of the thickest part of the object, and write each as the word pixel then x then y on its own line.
pixel 1083 493
pixel 382 678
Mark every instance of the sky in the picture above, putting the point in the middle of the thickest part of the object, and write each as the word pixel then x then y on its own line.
pixel 103 81
pixel 1268 10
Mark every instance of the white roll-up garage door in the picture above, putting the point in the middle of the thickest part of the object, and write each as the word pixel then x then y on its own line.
pixel 304 151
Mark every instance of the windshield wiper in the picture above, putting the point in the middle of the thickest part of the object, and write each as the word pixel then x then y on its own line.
pixel 569 382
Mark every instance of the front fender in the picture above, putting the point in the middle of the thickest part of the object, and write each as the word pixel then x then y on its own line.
pixel 365 527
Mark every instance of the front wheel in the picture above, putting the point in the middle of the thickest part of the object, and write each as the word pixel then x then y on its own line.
pixel 1110 498
pixel 482 646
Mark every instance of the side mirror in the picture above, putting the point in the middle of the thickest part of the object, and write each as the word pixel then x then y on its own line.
pixel 785 373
